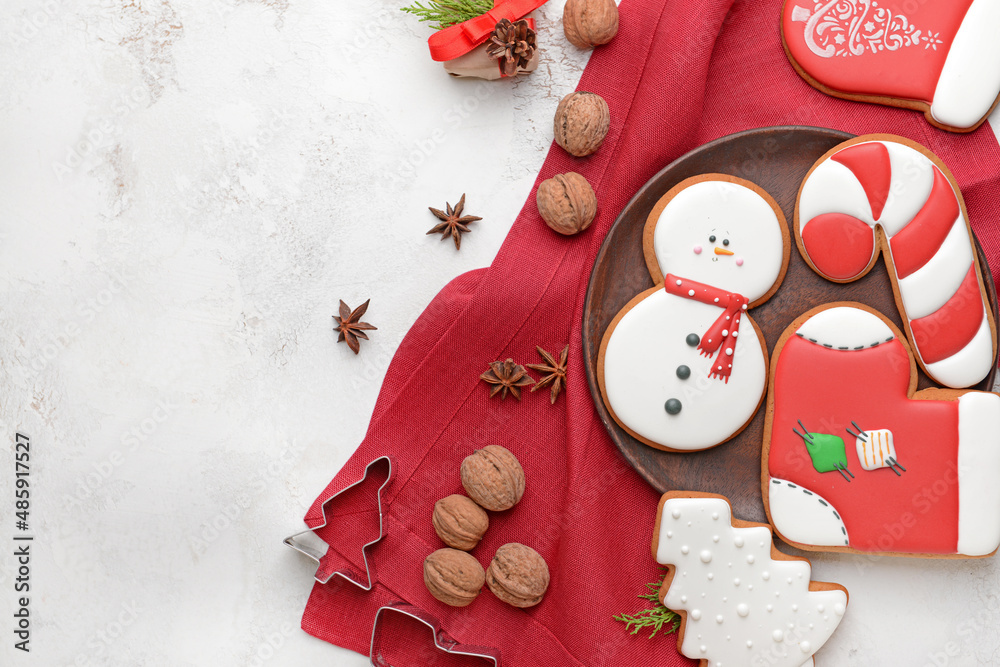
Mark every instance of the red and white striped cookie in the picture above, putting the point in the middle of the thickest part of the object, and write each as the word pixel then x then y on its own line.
pixel 885 193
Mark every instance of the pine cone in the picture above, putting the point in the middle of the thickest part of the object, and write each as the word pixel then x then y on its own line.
pixel 513 44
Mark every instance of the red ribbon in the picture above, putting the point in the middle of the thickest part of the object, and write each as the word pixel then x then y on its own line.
pixel 721 336
pixel 459 39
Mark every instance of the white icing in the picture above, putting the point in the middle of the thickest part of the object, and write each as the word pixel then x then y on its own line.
pixel 803 516
pixel 970 79
pixel 970 364
pixel 832 188
pixel 640 374
pixel 729 211
pixel 978 471
pixel 929 287
pixel 739 625
pixel 876 449
pixel 845 327
pixel 909 189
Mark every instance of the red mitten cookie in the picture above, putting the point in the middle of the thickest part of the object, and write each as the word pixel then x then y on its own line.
pixel 941 57
pixel 882 193
pixel 855 461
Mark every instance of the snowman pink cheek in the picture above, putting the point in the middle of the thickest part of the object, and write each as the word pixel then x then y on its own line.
pixel 739 261
pixel 697 250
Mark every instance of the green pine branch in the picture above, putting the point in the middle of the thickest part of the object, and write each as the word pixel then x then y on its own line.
pixel 449 12
pixel 655 616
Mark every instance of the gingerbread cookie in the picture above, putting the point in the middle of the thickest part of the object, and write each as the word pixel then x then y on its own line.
pixel 941 57
pixel 856 460
pixel 741 601
pixel 682 367
pixel 882 193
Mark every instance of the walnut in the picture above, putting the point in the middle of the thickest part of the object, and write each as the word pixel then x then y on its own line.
pixel 518 575
pixel 567 203
pixel 493 478
pixel 590 22
pixel 582 121
pixel 459 522
pixel 453 577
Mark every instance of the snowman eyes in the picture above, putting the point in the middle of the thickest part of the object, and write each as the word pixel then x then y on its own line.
pixel 725 241
pixel 711 239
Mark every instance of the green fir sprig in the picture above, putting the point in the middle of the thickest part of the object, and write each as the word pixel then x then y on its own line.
pixel 449 12
pixel 656 616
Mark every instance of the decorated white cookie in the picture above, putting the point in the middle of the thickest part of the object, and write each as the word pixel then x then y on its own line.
pixel 682 367
pixel 939 56
pixel 856 460
pixel 741 601
pixel 882 193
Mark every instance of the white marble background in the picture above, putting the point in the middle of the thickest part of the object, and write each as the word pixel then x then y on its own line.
pixel 187 187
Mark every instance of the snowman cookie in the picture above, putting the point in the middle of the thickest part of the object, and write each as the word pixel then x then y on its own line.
pixel 683 367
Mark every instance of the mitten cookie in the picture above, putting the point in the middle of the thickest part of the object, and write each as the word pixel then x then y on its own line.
pixel 941 57
pixel 855 460
pixel 682 367
pixel 882 193
pixel 741 601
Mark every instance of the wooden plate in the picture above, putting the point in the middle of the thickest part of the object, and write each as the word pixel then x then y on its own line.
pixel 777 160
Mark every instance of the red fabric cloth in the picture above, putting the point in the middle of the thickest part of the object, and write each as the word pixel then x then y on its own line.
pixel 678 74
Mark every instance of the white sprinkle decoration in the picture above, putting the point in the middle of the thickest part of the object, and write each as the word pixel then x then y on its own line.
pixel 719 619
pixel 706 556
pixel 820 608
pixel 696 614
pixel 715 516
pixel 676 513
pixel 735 334
pixel 711 576
pixel 778 636
pixel 806 647
pixel 670 533
pixel 678 282
pixel 716 299
pixel 795 607
pixel 744 306
pixel 684 599
pixel 715 538
pixel 685 549
pixel 749 644
pixel 770 607
pixel 729 350
pixel 743 610
pixel 750 559
pixel 725 332
pixel 704 649
pixel 838 609
pixel 736 581
pixel 738 541
pixel 766 575
pixel 690 292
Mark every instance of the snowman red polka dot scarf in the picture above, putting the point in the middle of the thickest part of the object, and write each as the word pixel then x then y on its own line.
pixel 721 336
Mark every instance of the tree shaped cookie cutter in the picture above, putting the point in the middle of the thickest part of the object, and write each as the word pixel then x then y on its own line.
pixel 443 642
pixel 309 543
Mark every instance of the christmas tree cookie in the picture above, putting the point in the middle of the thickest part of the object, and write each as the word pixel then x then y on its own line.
pixel 941 57
pixel 741 601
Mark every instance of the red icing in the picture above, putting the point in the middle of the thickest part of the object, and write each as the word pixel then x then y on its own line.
pixel 915 244
pixel 827 389
pixel 950 328
pixel 840 246
pixel 733 306
pixel 869 162
pixel 907 72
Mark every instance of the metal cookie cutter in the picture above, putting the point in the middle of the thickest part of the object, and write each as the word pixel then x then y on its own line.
pixel 442 640
pixel 313 546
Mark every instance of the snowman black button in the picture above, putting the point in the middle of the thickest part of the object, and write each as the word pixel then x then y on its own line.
pixel 683 372
pixel 693 340
pixel 672 406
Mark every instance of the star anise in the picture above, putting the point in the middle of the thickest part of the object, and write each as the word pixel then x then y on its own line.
pixel 506 375
pixel 349 327
pixel 554 372
pixel 454 223
pixel 512 44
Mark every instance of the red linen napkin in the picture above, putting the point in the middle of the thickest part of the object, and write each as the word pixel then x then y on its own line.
pixel 678 74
